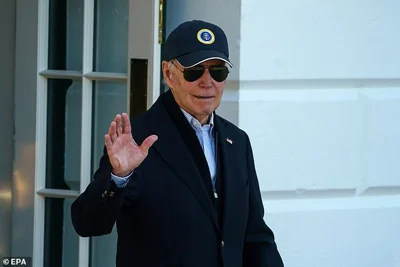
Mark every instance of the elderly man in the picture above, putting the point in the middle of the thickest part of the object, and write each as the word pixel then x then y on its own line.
pixel 179 181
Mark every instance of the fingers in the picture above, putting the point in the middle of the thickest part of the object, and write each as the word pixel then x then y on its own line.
pixel 148 142
pixel 107 141
pixel 118 124
pixel 112 131
pixel 126 123
pixel 121 124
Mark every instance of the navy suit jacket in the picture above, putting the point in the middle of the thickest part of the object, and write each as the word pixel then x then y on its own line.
pixel 166 215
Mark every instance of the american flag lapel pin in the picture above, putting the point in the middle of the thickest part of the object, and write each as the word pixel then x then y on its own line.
pixel 229 140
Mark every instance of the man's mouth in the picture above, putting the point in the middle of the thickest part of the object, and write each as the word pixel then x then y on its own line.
pixel 203 97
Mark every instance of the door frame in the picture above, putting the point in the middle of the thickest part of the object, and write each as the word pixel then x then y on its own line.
pixel 145 25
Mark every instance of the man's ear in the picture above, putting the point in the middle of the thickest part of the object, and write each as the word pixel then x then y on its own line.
pixel 167 73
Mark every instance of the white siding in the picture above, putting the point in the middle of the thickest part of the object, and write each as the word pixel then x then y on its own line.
pixel 319 96
pixel 308 39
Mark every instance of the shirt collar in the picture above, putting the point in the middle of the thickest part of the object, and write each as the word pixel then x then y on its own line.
pixel 193 121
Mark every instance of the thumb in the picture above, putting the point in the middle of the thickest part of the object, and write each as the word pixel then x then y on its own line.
pixel 148 142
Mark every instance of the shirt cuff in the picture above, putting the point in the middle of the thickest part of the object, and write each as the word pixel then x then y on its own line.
pixel 121 181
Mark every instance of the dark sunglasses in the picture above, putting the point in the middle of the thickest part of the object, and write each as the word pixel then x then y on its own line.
pixel 219 73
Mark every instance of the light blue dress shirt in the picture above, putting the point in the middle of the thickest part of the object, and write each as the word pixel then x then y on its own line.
pixel 205 135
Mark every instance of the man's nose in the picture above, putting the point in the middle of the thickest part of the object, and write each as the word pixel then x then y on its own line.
pixel 206 79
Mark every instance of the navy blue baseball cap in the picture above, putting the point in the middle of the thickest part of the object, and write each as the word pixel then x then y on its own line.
pixel 196 41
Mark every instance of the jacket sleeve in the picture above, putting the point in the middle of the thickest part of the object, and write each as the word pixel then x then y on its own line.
pixel 96 210
pixel 260 249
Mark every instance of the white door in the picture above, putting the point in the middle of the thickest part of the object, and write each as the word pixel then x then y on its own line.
pixel 87 50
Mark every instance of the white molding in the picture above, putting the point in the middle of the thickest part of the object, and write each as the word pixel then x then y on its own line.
pixel 61 74
pixel 77 75
pixel 319 84
pixel 41 127
pixel 106 76
pixel 318 204
pixel 58 193
pixel 155 84
pixel 298 95
pixel 315 95
pixel 143 22
pixel 86 119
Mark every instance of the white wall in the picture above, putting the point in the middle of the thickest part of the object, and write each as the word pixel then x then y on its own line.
pixel 320 98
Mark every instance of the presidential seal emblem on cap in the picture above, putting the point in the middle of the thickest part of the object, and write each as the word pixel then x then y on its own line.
pixel 206 36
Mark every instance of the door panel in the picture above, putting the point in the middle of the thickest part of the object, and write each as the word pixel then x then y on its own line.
pixel 86 52
pixel 142 87
pixel 111 35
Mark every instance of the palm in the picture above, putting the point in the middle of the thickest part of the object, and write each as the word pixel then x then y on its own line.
pixel 124 153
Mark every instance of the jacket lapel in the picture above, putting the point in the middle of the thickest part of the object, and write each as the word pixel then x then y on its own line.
pixel 172 148
pixel 232 181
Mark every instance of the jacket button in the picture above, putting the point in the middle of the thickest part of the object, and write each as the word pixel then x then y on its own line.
pixel 222 244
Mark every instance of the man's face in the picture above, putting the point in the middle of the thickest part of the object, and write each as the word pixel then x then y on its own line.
pixel 199 98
